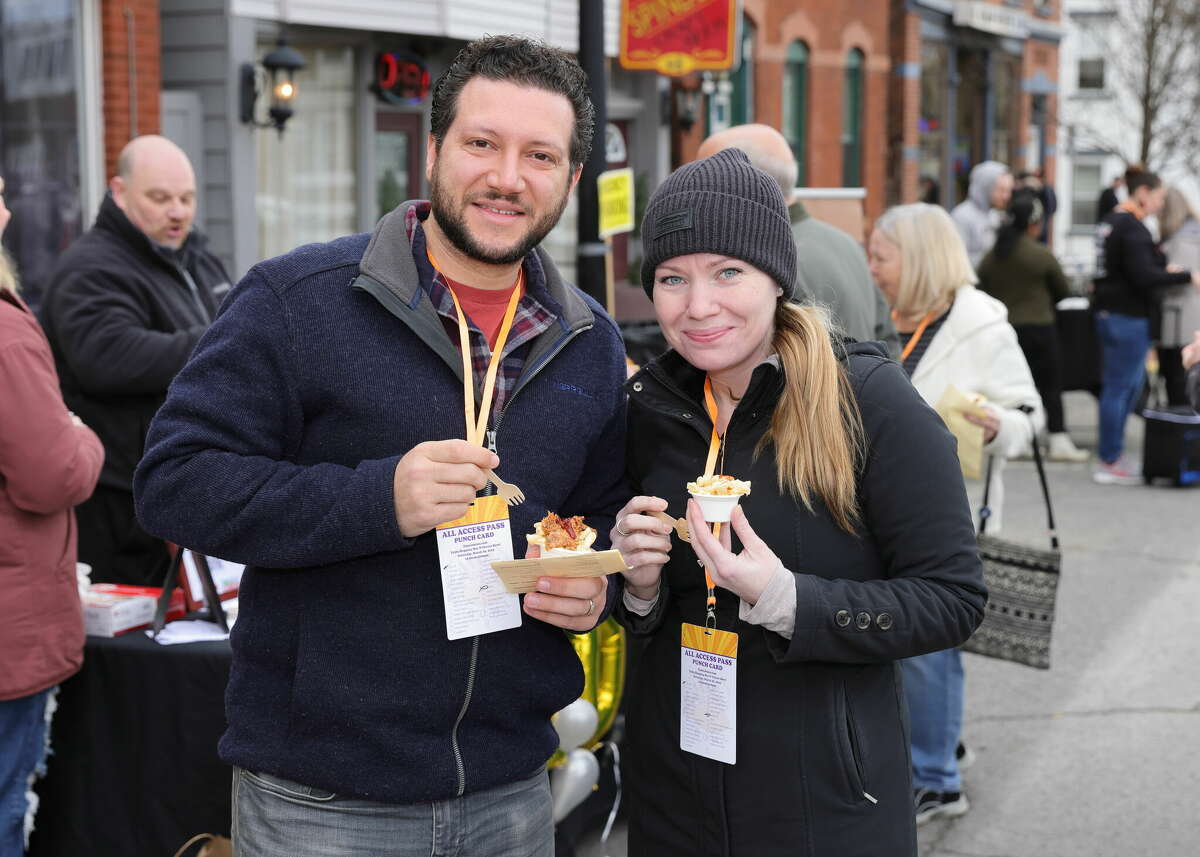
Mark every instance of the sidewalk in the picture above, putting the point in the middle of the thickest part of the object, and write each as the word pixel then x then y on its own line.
pixel 1099 756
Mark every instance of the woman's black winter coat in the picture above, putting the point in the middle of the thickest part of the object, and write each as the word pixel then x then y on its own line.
pixel 822 729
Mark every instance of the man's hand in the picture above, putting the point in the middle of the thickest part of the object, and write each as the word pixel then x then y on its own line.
pixel 572 603
pixel 436 482
pixel 1191 351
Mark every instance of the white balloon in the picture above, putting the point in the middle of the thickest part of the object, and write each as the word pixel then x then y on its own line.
pixel 572 781
pixel 575 724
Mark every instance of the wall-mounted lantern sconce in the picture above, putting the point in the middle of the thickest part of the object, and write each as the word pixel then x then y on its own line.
pixel 278 68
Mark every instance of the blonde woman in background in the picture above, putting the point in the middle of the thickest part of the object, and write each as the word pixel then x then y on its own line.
pixel 1179 226
pixel 950 334
pixel 49 461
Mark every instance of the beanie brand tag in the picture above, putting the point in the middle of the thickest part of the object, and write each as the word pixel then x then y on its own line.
pixel 674 222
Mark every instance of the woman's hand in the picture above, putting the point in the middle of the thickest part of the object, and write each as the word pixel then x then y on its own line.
pixel 644 542
pixel 746 574
pixel 990 423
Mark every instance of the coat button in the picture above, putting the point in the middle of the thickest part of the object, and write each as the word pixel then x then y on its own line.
pixel 842 617
pixel 884 621
pixel 637 386
pixel 686 416
pixel 862 621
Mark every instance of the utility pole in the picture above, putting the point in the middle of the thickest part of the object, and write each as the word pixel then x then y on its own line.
pixel 591 251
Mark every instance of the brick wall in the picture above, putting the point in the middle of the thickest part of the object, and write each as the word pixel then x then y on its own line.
pixel 831 31
pixel 119 113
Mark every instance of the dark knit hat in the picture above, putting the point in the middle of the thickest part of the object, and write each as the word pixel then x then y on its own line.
pixel 723 205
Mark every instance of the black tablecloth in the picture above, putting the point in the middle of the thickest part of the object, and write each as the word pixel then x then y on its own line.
pixel 134 770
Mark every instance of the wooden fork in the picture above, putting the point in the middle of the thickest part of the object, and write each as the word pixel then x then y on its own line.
pixel 511 494
pixel 680 525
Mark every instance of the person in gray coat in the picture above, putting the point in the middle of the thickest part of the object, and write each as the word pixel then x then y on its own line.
pixel 832 266
pixel 1179 226
pixel 981 213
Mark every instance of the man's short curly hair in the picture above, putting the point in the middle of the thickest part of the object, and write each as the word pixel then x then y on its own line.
pixel 523 61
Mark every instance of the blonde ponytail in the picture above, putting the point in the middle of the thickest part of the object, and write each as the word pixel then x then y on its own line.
pixel 817 429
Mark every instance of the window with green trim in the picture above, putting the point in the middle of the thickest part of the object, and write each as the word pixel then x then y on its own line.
pixel 743 79
pixel 795 105
pixel 852 110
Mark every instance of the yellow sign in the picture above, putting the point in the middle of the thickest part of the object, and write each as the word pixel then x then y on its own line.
pixel 616 201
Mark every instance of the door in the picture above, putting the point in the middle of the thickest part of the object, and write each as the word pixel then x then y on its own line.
pixel 398 144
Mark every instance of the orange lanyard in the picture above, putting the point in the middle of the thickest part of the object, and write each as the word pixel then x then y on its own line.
pixel 477 426
pixel 916 335
pixel 710 464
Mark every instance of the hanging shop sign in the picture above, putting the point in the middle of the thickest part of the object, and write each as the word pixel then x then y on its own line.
pixel 401 78
pixel 677 37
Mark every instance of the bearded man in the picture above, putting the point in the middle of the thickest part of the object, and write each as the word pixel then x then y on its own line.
pixel 386 696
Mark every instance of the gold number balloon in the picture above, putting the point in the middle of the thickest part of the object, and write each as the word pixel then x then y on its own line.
pixel 602 653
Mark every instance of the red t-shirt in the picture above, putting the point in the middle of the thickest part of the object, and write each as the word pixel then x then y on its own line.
pixel 485 307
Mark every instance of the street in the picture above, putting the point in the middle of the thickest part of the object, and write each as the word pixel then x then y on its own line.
pixel 1100 755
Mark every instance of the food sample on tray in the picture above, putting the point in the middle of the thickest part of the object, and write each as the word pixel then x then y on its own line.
pixel 558 536
pixel 717 495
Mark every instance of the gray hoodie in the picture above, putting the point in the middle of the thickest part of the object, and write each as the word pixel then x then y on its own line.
pixel 975 218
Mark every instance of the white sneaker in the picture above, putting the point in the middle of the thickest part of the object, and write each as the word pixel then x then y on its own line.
pixel 1117 473
pixel 1061 448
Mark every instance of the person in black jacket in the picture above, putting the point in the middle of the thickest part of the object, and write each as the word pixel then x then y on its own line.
pixel 124 308
pixel 1131 273
pixel 828 573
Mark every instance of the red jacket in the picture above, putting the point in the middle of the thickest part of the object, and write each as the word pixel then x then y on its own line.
pixel 48 464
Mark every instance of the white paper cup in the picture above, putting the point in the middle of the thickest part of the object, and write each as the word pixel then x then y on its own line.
pixel 716 509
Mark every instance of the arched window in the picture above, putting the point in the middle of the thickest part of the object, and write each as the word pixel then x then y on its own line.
pixel 795 104
pixel 743 79
pixel 852 111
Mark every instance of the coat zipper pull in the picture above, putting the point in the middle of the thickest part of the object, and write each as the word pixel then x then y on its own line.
pixel 870 797
pixel 491 441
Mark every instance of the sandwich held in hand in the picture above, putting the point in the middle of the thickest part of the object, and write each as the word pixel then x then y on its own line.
pixel 558 536
pixel 717 495
pixel 565 548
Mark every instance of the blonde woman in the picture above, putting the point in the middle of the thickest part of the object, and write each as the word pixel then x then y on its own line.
pixel 49 461
pixel 950 334
pixel 828 573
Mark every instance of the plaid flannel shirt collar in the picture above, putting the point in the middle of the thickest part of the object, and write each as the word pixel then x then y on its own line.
pixel 534 314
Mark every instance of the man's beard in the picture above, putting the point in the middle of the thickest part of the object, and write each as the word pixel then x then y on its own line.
pixel 453 224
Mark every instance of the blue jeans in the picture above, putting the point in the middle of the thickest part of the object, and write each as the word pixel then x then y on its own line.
pixel 274 817
pixel 22 758
pixel 933 686
pixel 1124 341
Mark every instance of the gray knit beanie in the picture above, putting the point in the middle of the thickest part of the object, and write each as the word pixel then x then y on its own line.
pixel 723 205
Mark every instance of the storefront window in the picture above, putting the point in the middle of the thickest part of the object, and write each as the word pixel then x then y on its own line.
pixel 1005 107
pixel 795 104
pixel 931 127
pixel 307 179
pixel 40 134
pixel 852 105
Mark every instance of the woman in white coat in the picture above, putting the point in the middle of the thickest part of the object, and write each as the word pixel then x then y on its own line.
pixel 951 334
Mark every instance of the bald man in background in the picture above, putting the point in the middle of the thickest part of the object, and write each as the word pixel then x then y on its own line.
pixel 123 309
pixel 832 266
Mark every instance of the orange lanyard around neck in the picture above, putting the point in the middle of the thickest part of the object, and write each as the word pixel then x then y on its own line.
pixel 916 334
pixel 477 426
pixel 710 464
